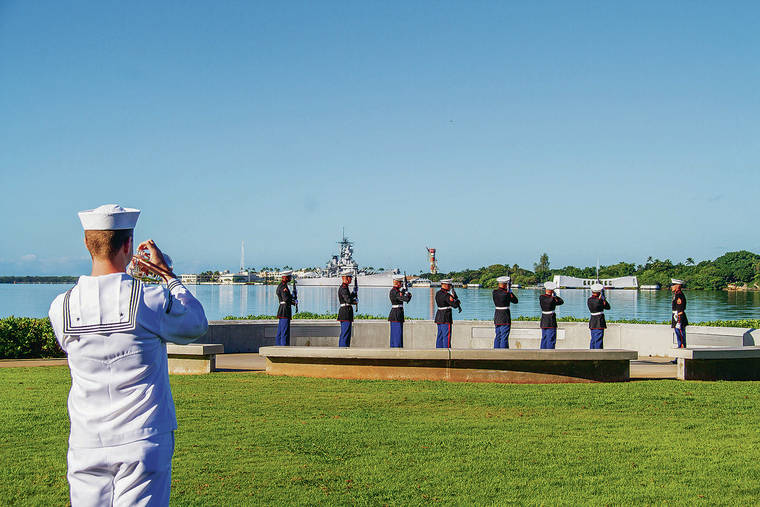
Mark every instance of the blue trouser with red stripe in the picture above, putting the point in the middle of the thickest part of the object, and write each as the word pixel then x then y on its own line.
pixel 283 333
pixel 397 334
pixel 345 333
pixel 548 337
pixel 597 337
pixel 443 338
pixel 501 341
pixel 681 337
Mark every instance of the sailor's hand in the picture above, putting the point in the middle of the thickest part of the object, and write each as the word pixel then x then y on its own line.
pixel 157 259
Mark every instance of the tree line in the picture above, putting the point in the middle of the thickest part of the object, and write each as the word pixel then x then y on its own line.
pixel 39 279
pixel 740 268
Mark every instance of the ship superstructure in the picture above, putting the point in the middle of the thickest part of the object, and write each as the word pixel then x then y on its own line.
pixel 330 275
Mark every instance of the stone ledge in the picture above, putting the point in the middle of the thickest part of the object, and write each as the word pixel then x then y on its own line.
pixel 463 365
pixel 194 349
pixel 718 363
pixel 354 353
pixel 545 355
pixel 717 353
pixel 193 359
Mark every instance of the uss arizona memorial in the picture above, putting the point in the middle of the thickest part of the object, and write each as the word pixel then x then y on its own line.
pixel 570 282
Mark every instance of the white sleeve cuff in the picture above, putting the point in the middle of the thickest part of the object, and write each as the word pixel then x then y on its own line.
pixel 173 284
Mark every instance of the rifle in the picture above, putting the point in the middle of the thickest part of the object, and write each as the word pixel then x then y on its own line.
pixel 454 293
pixel 601 296
pixel 406 283
pixel 509 284
pixel 295 292
pixel 356 291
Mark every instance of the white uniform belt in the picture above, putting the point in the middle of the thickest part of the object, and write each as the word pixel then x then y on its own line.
pixel 345 304
pixel 502 308
pixel 444 308
pixel 594 314
pixel 283 302
pixel 397 306
pixel 547 313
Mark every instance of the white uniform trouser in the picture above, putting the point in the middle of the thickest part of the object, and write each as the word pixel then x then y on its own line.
pixel 138 473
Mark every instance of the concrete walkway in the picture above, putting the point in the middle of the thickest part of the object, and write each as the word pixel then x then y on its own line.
pixel 641 369
pixel 25 363
pixel 653 368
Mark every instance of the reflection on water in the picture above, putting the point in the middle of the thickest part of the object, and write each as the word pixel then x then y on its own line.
pixel 222 300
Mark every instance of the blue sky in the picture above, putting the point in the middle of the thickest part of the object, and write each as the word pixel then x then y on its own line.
pixel 492 131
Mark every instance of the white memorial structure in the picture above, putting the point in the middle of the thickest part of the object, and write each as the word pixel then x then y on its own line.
pixel 570 282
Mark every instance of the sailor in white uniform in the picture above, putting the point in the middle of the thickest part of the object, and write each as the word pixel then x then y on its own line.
pixel 114 330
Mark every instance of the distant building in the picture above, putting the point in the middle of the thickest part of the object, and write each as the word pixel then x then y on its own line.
pixel 194 279
pixel 241 277
pixel 570 282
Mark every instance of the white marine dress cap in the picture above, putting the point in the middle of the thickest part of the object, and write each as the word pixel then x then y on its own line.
pixel 398 278
pixel 287 272
pixel 596 287
pixel 446 280
pixel 676 281
pixel 550 286
pixel 347 272
pixel 503 279
pixel 109 217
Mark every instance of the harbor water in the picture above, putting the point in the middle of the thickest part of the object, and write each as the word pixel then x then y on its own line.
pixel 219 301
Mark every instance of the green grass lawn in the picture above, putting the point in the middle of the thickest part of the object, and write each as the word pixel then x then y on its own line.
pixel 248 438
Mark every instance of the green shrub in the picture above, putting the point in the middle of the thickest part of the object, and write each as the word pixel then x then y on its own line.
pixel 24 337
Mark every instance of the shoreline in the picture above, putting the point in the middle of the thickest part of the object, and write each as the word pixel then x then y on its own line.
pixel 536 287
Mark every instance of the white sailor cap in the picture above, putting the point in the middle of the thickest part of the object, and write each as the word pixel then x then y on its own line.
pixel 596 287
pixel 109 217
pixel 676 281
pixel 550 286
pixel 398 278
pixel 287 272
pixel 347 272
pixel 503 279
pixel 447 280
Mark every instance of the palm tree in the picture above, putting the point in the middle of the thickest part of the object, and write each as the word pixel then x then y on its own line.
pixel 689 261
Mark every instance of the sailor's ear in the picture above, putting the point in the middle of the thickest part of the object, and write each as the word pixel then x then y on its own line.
pixel 127 246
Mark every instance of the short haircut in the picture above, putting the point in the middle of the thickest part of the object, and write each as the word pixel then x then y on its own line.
pixel 106 244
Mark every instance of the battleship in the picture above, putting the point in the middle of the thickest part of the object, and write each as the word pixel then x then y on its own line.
pixel 330 275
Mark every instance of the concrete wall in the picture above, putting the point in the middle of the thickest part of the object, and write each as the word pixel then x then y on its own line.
pixel 646 339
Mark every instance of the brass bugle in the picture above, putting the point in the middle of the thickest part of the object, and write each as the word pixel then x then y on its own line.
pixel 152 267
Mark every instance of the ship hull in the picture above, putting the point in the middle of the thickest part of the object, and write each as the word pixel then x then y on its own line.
pixel 378 280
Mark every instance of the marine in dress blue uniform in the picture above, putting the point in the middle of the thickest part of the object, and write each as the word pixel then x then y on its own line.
pixel 444 319
pixel 398 296
pixel 678 320
pixel 114 331
pixel 548 302
pixel 502 317
pixel 597 323
pixel 284 311
pixel 346 298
